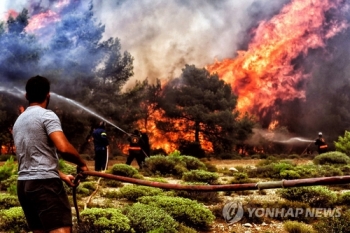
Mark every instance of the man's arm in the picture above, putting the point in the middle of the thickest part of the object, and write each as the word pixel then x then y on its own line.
pixel 67 151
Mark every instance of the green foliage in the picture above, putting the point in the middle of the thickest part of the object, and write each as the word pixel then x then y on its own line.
pixel 344 198
pixel 13 220
pixel 185 229
pixel 133 192
pixel 162 165
pixel 241 178
pixel 9 182
pixel 106 220
pixel 174 164
pixel 334 224
pixel 204 197
pixel 205 104
pixel 315 196
pixel 190 162
pixel 343 143
pixel 8 201
pixel 297 227
pixel 124 170
pixel 186 211
pixel 66 168
pixel 272 170
pixel 200 176
pixel 145 218
pixel 111 183
pixel 333 157
pixel 8 169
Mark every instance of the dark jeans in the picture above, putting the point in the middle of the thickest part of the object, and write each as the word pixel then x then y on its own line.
pixel 45 203
pixel 100 160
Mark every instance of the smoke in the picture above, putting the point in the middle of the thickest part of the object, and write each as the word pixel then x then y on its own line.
pixel 163 36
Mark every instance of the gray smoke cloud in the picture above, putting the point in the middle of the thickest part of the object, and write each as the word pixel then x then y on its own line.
pixel 163 36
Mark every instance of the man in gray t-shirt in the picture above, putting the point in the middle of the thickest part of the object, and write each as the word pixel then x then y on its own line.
pixel 37 136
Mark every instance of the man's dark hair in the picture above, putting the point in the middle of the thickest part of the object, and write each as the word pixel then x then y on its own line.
pixel 37 89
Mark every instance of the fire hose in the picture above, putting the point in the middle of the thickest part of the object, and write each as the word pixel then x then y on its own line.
pixel 213 188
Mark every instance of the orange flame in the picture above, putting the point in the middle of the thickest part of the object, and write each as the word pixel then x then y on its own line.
pixel 41 20
pixel 265 73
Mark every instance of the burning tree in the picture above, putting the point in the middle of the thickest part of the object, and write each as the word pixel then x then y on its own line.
pixel 202 107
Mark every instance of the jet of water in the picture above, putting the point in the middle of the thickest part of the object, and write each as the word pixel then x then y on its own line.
pixel 19 93
pixel 294 139
pixel 70 101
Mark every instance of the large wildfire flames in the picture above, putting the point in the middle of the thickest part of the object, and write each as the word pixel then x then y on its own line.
pixel 265 72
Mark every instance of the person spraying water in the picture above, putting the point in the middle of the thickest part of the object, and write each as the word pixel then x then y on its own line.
pixel 321 144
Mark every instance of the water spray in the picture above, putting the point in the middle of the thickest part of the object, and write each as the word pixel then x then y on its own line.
pixel 19 93
pixel 293 140
pixel 86 109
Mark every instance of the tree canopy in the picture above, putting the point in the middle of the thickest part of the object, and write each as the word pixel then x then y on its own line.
pixel 205 105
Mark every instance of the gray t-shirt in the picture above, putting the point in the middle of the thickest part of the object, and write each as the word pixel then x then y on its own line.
pixel 36 153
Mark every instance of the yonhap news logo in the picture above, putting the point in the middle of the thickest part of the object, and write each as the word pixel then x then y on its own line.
pixel 233 212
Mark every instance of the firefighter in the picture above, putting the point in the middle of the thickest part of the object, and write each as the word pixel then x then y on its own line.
pixel 145 146
pixel 135 151
pixel 101 147
pixel 321 144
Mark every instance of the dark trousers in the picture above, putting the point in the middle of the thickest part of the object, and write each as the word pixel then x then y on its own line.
pixel 136 154
pixel 100 160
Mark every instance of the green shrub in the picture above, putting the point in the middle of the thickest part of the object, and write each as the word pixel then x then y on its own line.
pixel 200 176
pixel 13 220
pixel 343 143
pixel 8 169
pixel 344 198
pixel 340 224
pixel 185 229
pixel 124 170
pixel 132 192
pixel 204 197
pixel 66 168
pixel 191 163
pixel 145 218
pixel 173 164
pixel 315 196
pixel 8 201
pixel 210 167
pixel 11 181
pixel 89 185
pixel 111 183
pixel 106 220
pixel 329 170
pixel 307 170
pixel 241 178
pixel 297 227
pixel 333 157
pixel 186 211
pixel 272 170
pixel 161 165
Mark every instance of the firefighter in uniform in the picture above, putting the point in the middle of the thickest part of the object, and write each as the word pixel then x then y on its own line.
pixel 135 151
pixel 321 144
pixel 101 147
pixel 145 146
